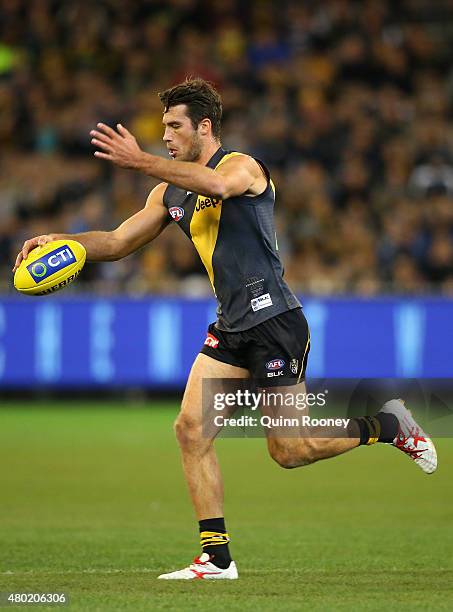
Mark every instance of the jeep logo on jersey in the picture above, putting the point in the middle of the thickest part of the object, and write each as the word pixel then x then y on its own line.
pixel 275 364
pixel 205 202
pixel 176 212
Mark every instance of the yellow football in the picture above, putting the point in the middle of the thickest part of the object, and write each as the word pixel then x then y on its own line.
pixel 50 268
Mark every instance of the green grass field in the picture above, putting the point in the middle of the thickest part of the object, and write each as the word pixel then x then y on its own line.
pixel 93 503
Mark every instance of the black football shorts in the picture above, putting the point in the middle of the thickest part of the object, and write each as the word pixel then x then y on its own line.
pixel 275 352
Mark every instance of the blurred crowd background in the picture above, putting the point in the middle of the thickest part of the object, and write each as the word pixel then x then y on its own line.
pixel 349 103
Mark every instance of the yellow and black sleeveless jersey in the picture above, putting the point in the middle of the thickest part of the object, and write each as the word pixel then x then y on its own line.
pixel 236 241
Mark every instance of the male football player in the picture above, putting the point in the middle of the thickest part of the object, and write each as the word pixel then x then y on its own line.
pixel 223 201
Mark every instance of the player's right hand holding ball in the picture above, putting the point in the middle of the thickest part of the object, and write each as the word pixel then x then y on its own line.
pixel 47 264
pixel 29 245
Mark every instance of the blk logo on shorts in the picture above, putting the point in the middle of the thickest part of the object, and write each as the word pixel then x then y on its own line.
pixel 176 212
pixel 211 341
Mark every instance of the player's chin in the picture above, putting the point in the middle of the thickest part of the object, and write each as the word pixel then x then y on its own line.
pixel 178 155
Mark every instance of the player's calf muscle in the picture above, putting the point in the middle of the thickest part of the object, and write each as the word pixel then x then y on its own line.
pixel 292 453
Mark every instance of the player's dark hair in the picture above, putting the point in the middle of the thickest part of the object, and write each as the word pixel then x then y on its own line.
pixel 202 101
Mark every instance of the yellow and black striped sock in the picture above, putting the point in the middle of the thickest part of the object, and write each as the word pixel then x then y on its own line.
pixel 214 541
pixel 369 428
pixel 383 427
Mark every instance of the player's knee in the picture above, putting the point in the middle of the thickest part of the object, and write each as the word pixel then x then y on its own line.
pixel 282 454
pixel 284 459
pixel 293 454
pixel 187 430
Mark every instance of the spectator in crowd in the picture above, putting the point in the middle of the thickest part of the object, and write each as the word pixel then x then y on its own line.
pixel 349 103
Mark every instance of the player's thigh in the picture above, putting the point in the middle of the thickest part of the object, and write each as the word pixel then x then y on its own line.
pixel 206 376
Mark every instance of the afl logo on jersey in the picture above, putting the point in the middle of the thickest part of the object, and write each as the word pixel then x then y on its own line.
pixel 176 212
pixel 275 364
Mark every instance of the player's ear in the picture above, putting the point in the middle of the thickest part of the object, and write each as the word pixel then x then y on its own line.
pixel 204 127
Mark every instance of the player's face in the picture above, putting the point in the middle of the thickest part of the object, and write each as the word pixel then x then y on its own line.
pixel 182 141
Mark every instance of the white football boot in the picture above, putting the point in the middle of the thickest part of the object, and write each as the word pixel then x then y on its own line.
pixel 411 439
pixel 203 569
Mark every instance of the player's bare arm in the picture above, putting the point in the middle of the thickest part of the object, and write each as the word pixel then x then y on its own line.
pixel 237 176
pixel 130 236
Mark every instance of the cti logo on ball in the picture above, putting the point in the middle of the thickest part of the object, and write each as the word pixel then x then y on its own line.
pixel 51 263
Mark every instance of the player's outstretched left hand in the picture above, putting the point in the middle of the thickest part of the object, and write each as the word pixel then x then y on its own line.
pixel 119 147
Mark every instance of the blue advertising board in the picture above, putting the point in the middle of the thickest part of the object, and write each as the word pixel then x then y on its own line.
pixel 95 342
